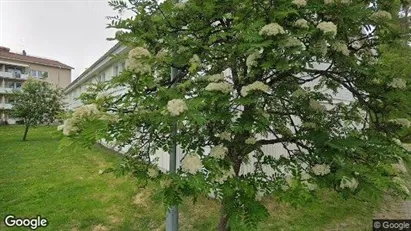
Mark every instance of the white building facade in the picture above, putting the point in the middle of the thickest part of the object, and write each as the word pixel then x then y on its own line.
pixel 107 67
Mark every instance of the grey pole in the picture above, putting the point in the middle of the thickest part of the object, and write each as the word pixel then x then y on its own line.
pixel 172 213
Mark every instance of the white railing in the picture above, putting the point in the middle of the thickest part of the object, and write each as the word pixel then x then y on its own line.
pixel 5 106
pixel 6 90
pixel 6 74
pixel 15 75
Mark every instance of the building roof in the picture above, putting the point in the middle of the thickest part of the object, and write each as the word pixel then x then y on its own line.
pixel 88 70
pixel 6 54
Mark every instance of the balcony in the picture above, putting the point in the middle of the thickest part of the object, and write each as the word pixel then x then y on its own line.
pixel 13 75
pixel 6 106
pixel 7 90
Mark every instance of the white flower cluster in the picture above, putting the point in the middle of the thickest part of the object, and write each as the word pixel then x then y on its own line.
pixel 299 3
pixel 250 140
pixel 398 83
pixel 135 61
pixel 84 111
pixel 222 87
pixel 152 173
pixel 328 28
pixel 176 107
pixel 315 105
pixel 256 86
pixel 216 78
pixel 321 169
pixel 218 152
pixel 401 121
pixel 225 136
pixel 328 2
pixel 69 127
pixel 342 48
pixel 381 15
pixel 301 23
pixel 350 183
pixel 191 163
pixel 226 174
pixel 406 146
pixel 251 60
pixel 272 29
pixel 400 167
pixel 293 42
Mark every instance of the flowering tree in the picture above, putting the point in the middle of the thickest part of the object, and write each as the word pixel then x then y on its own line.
pixel 36 103
pixel 258 73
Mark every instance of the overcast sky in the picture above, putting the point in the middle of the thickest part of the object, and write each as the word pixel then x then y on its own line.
pixel 70 31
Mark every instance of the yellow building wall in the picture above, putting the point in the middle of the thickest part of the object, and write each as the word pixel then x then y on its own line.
pixel 56 76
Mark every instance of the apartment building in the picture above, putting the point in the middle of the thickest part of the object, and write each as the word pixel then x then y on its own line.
pixel 15 68
pixel 104 69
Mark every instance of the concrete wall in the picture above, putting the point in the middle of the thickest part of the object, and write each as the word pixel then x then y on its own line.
pixel 56 76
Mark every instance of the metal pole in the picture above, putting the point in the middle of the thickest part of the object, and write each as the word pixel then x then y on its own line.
pixel 172 213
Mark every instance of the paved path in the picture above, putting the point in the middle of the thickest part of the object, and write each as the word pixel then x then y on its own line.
pixel 406 209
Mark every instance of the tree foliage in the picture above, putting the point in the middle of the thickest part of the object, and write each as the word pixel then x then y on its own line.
pixel 38 102
pixel 258 73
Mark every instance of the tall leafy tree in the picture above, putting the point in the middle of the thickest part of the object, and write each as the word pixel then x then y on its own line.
pixel 38 102
pixel 258 73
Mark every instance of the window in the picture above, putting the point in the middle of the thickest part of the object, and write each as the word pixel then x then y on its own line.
pixel 103 77
pixel 115 72
pixel 44 74
pixel 14 85
pixel 39 74
pixel 123 66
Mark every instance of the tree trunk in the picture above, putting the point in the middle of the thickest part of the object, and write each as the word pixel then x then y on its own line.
pixel 223 223
pixel 26 131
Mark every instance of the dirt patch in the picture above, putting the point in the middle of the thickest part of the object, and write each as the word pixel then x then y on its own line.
pixel 100 228
pixel 142 198
pixel 391 209
pixel 115 219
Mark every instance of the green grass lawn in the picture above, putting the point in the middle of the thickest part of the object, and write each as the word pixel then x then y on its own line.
pixel 67 189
